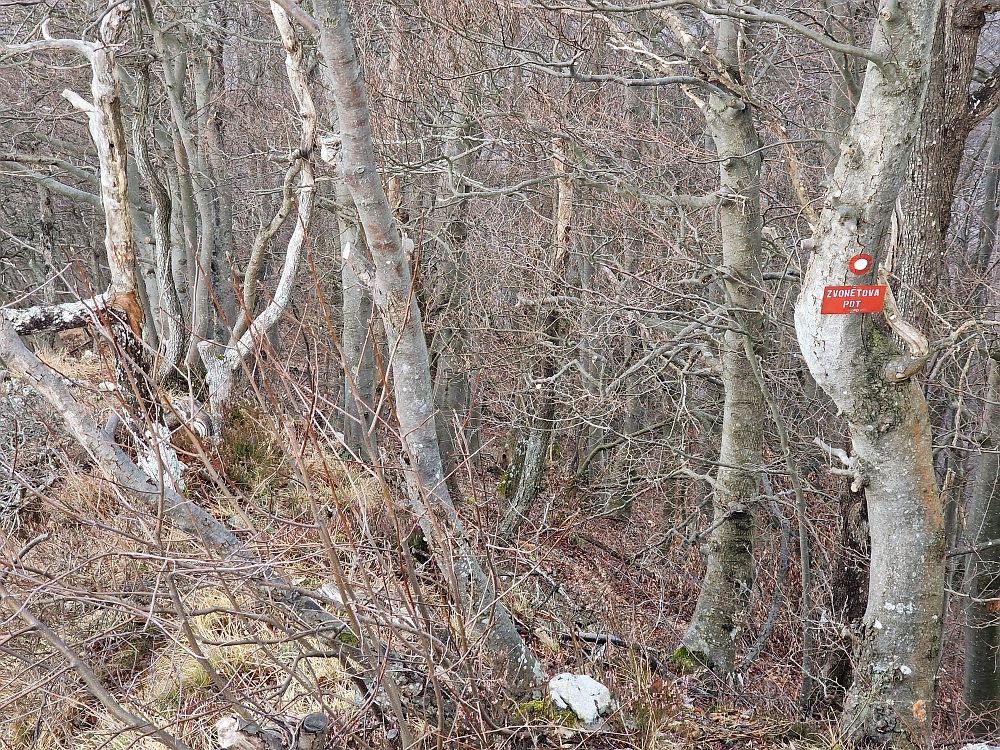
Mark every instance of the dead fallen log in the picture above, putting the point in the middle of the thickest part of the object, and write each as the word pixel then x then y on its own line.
pixel 68 315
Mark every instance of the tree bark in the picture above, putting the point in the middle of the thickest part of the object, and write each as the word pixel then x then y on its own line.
pixel 981 688
pixel 929 187
pixel 108 134
pixel 194 184
pixel 712 636
pixel 854 361
pixel 357 338
pixel 171 320
pixel 447 274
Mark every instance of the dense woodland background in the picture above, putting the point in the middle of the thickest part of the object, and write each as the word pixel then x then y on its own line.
pixel 531 380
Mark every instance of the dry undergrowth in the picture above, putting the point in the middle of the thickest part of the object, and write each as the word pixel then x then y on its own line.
pixel 179 638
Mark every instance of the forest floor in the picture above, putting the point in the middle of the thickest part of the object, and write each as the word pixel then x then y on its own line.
pixel 597 593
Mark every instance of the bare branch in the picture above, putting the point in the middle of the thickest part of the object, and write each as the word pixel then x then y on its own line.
pixel 53 184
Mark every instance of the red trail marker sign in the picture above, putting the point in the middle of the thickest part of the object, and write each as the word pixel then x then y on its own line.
pixel 839 300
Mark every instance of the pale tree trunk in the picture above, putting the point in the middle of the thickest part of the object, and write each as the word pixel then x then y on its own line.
pixel 171 320
pixel 222 363
pixel 194 185
pixel 255 264
pixel 713 633
pixel 856 364
pixel 206 68
pixel 487 617
pixel 184 225
pixel 712 636
pixel 357 340
pixel 124 313
pixel 105 125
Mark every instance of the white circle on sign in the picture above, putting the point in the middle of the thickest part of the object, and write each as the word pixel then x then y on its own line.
pixel 860 264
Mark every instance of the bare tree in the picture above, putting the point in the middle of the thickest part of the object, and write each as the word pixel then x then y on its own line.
pixel 856 364
pixel 391 284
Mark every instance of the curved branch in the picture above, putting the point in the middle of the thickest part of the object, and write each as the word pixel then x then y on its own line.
pixel 917 351
pixel 264 236
pixel 53 184
pixel 745 13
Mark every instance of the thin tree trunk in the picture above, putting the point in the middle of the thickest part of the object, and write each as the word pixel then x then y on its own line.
pixel 357 340
pixel 47 240
pixel 207 69
pixel 981 688
pixel 390 278
pixel 446 306
pixel 531 451
pixel 713 633
pixel 171 320
pixel 221 364
pixel 195 189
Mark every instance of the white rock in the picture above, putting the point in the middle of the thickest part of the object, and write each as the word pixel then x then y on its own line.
pixel 980 746
pixel 583 695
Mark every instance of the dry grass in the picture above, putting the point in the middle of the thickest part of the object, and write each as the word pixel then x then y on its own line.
pixel 177 637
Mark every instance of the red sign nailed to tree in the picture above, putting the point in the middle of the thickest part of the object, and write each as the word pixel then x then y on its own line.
pixel 838 300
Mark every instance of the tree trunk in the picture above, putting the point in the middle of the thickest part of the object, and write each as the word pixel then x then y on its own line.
pixel 108 134
pixel 195 187
pixel 221 364
pixel 207 69
pixel 171 320
pixel 713 633
pixel 357 340
pixel 446 305
pixel 981 690
pixel 524 477
pixel 854 361
pixel 934 164
pixel 414 397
